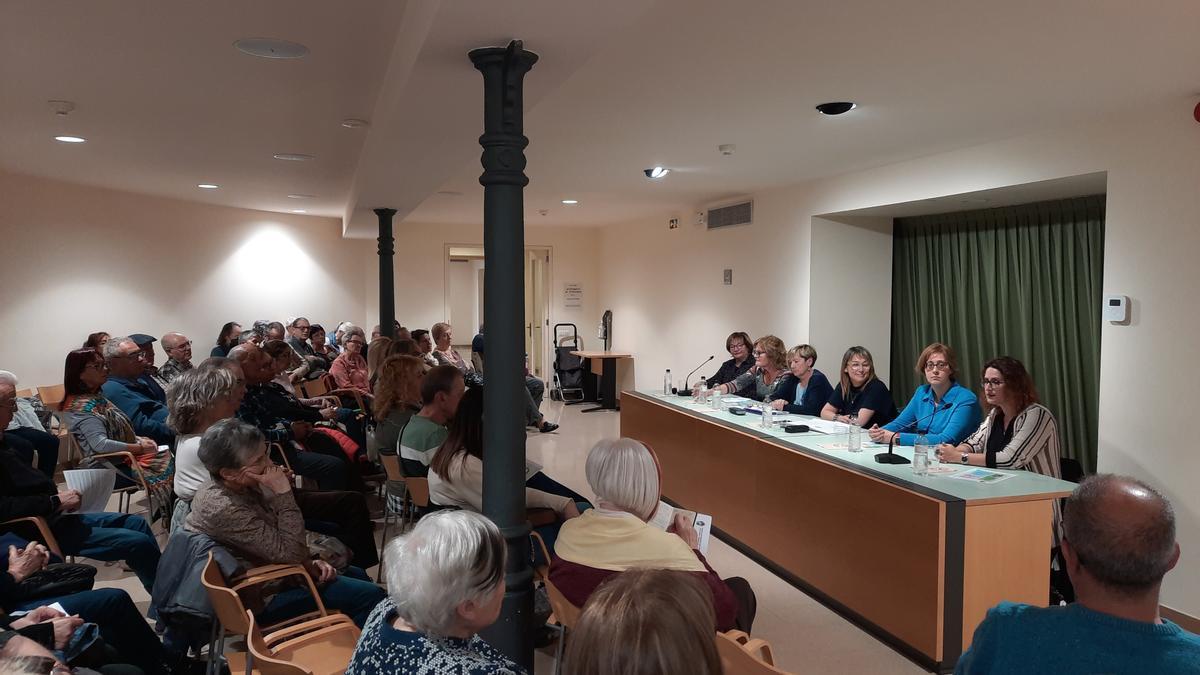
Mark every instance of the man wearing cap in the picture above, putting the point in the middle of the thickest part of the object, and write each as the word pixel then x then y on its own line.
pixel 137 395
pixel 150 375
pixel 179 356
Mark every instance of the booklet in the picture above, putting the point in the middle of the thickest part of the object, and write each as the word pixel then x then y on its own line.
pixel 702 523
pixel 982 476
pixel 96 486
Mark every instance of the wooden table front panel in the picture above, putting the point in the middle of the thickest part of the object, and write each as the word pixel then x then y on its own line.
pixel 872 546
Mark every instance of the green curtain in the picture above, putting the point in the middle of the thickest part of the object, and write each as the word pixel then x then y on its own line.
pixel 1022 281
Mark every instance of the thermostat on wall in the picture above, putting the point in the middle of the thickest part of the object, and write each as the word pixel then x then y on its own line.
pixel 1116 308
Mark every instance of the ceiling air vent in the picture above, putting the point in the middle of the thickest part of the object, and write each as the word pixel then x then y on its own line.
pixel 728 216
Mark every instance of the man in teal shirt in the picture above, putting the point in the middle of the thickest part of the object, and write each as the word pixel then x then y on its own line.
pixel 1118 543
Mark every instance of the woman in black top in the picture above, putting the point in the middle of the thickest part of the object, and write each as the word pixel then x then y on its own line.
pixel 860 392
pixel 738 346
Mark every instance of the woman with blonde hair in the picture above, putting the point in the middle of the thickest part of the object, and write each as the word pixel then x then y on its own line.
pixel 646 621
pixel 860 395
pixel 761 381
pixel 804 390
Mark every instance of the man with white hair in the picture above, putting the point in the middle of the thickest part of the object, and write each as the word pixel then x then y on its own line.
pixel 25 433
pixel 1118 543
pixel 179 356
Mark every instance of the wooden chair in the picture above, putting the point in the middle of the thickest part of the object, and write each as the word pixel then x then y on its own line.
pixel 742 655
pixel 277 449
pixel 327 386
pixel 24 393
pixel 414 495
pixel 231 612
pixel 318 650
pixel 52 397
pixel 125 494
pixel 43 528
pixel 563 614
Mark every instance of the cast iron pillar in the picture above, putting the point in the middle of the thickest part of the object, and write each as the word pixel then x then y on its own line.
pixel 503 182
pixel 387 283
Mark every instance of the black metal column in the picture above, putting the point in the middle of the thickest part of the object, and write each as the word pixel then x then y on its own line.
pixel 503 182
pixel 387 283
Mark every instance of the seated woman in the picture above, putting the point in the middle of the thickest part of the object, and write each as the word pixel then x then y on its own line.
pixel 248 508
pixel 227 339
pixel 101 428
pixel 445 584
pixel 96 341
pixel 859 393
pixel 738 346
pixel 804 390
pixel 323 355
pixel 398 397
pixel 444 352
pixel 664 620
pixel 197 399
pixel 942 409
pixel 1018 432
pixel 760 382
pixel 25 434
pixel 616 535
pixel 281 355
pixel 456 471
pixel 349 369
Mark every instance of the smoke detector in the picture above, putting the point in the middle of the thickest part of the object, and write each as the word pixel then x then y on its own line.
pixel 727 149
pixel 61 108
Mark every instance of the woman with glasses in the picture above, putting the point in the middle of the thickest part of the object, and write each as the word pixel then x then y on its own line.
pixel 349 369
pixel 738 346
pixel 761 381
pixel 859 393
pixel 941 409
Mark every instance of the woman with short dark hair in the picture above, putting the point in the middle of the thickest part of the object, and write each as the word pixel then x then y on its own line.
pixel 942 410
pixel 738 345
pixel 227 339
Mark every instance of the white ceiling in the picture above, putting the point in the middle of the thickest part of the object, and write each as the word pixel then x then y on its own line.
pixel 166 102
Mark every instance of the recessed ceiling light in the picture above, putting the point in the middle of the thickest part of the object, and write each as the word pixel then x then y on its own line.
pixel 836 107
pixel 354 123
pixel 656 173
pixel 70 139
pixel 299 196
pixel 299 211
pixel 570 201
pixel 208 186
pixel 293 157
pixel 271 48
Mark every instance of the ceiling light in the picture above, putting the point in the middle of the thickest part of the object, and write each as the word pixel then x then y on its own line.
pixel 570 201
pixel 70 139
pixel 656 173
pixel 299 196
pixel 293 157
pixel 271 48
pixel 836 107
pixel 299 211
pixel 208 186
pixel 354 123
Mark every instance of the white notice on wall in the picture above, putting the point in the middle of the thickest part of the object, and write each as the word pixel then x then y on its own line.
pixel 572 294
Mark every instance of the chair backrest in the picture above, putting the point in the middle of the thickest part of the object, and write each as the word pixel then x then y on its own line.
pixel 391 466
pixel 52 395
pixel 264 660
pixel 278 448
pixel 418 491
pixel 566 613
pixel 738 655
pixel 227 605
pixel 24 393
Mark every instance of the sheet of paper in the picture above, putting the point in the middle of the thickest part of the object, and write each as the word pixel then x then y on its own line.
pixel 828 426
pixel 703 527
pixel 96 486
pixel 982 476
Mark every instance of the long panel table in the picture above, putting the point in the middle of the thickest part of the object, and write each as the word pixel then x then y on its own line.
pixel 916 560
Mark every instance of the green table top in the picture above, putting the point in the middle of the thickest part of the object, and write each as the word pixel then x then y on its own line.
pixel 1022 485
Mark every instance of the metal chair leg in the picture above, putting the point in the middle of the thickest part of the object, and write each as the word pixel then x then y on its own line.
pixel 387 521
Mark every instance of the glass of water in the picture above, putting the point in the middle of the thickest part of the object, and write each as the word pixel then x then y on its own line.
pixel 921 460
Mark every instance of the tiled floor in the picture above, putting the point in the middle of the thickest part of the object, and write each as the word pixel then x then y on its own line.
pixel 805 636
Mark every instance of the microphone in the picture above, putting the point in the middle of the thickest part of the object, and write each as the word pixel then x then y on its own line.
pixel 890 458
pixel 685 391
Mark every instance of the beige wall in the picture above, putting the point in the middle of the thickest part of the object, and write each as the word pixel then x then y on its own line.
pixel 81 259
pixel 672 314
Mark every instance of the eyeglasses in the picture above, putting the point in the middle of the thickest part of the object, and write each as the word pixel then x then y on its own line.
pixel 936 365
pixel 759 352
pixel 139 355
pixel 993 383
pixel 356 342
pixel 302 327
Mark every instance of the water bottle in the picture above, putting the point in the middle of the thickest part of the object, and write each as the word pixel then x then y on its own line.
pixel 854 437
pixel 921 456
pixel 667 383
pixel 698 391
pixel 767 413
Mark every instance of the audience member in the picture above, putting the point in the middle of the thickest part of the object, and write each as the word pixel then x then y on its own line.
pixel 150 375
pixel 96 341
pixel 444 352
pixel 227 339
pixel 141 399
pixel 441 390
pixel 252 337
pixel 477 346
pixel 942 410
pixel 179 356
pixel 285 366
pixel 349 369
pixel 534 390
pixel 425 342
pixel 397 399
pixel 26 434
pixel 1118 544
pixel 804 390
pixel 101 428
pixel 198 399
pixel 738 345
pixel 322 352
pixel 860 395
pixel 617 536
pixel 273 330
pixel 662 619
pixel 335 341
pixel 377 352
pixel 25 491
pixel 285 420
pixel 761 381
pixel 298 332
pixel 248 508
pixel 445 584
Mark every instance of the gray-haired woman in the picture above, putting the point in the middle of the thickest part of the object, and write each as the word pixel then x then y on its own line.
pixel 445 584
pixel 196 400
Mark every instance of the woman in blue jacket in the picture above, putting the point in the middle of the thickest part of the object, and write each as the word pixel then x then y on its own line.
pixel 805 390
pixel 942 409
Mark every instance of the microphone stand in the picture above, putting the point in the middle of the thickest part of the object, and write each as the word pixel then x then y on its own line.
pixel 685 391
pixel 891 458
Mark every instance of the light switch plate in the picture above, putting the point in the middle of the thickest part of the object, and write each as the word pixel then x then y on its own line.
pixel 728 277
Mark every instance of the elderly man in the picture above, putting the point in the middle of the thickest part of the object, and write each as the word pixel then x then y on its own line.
pixel 287 421
pixel 145 405
pixel 1118 543
pixel 150 375
pixel 26 434
pixel 179 356
pixel 298 332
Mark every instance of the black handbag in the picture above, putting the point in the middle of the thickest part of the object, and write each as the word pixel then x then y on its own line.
pixel 54 580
